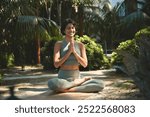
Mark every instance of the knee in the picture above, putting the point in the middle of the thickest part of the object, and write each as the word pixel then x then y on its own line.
pixel 99 84
pixel 53 84
pixel 102 85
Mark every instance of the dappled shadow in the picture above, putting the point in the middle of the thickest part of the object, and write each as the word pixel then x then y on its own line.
pixel 33 89
pixel 60 96
pixel 116 87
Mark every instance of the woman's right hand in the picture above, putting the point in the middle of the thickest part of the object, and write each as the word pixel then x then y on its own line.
pixel 72 48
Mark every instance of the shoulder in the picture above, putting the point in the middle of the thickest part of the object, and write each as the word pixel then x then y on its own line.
pixel 58 44
pixel 81 45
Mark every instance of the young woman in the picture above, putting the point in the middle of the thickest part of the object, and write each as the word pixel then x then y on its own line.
pixel 68 55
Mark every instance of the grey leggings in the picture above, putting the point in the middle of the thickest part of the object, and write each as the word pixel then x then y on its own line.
pixel 65 81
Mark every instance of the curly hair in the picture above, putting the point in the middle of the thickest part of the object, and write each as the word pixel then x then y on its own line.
pixel 66 22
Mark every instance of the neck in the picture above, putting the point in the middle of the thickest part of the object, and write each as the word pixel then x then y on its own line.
pixel 69 39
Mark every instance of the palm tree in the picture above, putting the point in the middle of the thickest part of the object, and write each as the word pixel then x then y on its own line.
pixel 103 22
pixel 32 27
pixel 78 6
pixel 27 14
pixel 136 17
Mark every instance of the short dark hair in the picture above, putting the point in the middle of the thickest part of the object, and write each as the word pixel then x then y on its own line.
pixel 66 22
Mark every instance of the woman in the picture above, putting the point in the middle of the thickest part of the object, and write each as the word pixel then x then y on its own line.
pixel 68 55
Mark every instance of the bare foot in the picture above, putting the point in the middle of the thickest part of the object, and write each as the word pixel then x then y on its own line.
pixel 77 82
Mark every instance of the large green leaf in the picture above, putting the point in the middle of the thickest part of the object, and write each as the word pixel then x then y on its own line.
pixel 32 25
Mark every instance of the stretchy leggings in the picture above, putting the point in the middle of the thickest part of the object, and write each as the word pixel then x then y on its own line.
pixel 65 81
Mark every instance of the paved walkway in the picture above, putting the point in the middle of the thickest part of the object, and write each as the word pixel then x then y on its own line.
pixel 34 86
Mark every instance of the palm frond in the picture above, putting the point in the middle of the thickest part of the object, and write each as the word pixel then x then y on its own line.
pixel 31 25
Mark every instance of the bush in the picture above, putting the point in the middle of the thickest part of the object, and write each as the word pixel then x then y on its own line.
pixel 6 60
pixel 143 32
pixel 95 54
pixel 129 46
pixel 0 78
pixel 96 58
pixel 47 53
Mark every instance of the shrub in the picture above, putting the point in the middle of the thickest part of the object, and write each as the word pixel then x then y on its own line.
pixel 129 46
pixel 96 58
pixel 47 53
pixel 143 32
pixel 95 54
pixel 1 76
pixel 6 60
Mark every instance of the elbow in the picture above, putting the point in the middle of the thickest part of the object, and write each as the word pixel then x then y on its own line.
pixel 85 65
pixel 56 65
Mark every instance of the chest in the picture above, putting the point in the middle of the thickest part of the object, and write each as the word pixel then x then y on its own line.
pixel 65 47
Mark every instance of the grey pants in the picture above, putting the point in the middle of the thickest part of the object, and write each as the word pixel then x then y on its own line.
pixel 65 81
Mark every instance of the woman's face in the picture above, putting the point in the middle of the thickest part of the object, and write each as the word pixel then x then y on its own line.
pixel 70 30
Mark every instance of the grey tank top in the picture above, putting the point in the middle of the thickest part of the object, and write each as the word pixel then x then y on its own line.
pixel 71 59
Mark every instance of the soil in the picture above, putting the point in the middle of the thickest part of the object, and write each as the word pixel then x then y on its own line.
pixel 118 86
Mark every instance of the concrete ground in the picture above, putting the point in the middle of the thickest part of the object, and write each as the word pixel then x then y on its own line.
pixel 32 85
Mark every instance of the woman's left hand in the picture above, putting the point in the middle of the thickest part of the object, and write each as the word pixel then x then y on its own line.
pixel 72 47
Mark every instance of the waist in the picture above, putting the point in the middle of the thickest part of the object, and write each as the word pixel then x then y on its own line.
pixel 69 67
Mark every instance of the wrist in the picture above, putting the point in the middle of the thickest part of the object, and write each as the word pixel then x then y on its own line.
pixel 75 53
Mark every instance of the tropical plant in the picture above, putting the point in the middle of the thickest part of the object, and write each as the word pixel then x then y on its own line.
pixel 47 53
pixel 96 57
pixel 138 68
pixel 106 25
pixel 32 27
pixel 95 54
pixel 129 46
pixel 25 17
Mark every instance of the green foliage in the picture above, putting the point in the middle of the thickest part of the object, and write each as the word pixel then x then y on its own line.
pixel 28 29
pixel 0 77
pixel 95 55
pixel 6 60
pixel 84 2
pixel 129 46
pixel 47 53
pixel 96 58
pixel 143 32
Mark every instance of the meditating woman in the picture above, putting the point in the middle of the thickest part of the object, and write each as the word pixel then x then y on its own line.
pixel 68 55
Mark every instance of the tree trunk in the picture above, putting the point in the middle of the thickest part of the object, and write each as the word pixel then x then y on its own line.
pixel 80 16
pixel 38 42
pixel 59 11
pixel 38 50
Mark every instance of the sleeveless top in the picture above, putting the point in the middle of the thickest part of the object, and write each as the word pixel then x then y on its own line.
pixel 64 49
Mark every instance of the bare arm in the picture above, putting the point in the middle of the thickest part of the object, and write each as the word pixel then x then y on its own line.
pixel 57 60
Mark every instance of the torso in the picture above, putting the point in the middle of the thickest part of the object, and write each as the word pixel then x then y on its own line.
pixel 71 63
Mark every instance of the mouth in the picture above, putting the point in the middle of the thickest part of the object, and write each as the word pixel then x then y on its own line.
pixel 71 33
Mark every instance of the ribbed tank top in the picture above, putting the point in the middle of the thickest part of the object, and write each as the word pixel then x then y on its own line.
pixel 64 49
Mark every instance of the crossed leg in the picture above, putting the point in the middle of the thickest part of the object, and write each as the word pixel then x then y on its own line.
pixel 78 85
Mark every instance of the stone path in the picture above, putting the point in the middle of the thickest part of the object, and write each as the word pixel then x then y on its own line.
pixel 33 86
